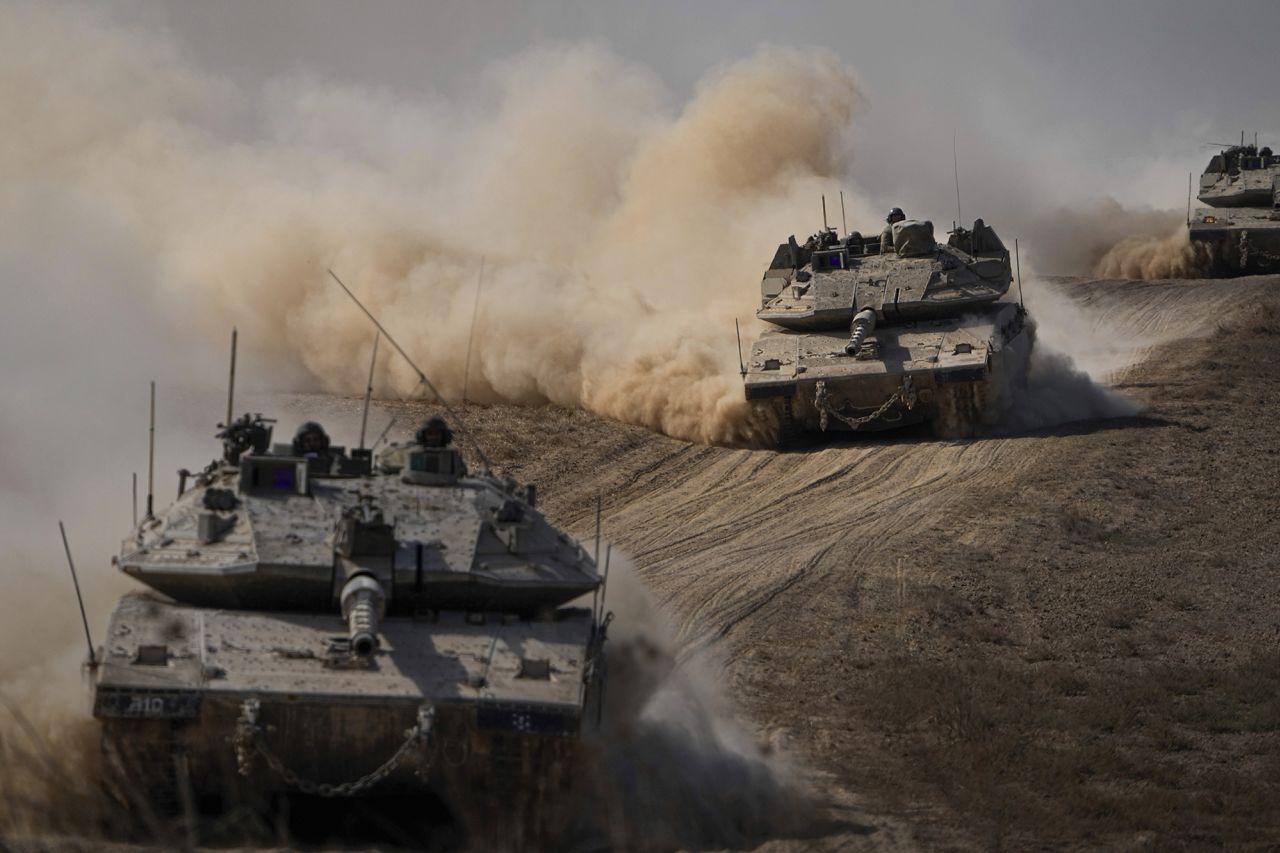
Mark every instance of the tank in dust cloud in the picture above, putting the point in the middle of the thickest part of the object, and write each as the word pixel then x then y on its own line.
pixel 882 332
pixel 1241 226
pixel 344 625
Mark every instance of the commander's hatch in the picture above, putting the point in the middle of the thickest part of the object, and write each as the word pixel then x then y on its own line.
pixel 273 475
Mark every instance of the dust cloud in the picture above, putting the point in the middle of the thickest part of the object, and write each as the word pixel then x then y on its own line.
pixel 663 711
pixel 1077 352
pixel 1073 239
pixel 1108 239
pixel 616 232
pixel 1145 257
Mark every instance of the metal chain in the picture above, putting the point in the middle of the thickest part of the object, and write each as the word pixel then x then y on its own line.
pixel 1247 249
pixel 905 394
pixel 248 739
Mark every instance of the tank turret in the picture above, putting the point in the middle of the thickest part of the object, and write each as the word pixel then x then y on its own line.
pixel 880 332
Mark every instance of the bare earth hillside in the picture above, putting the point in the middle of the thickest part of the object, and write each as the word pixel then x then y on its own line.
pixel 1066 638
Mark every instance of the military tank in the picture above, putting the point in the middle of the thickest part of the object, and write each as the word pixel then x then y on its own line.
pixel 877 333
pixel 353 625
pixel 1241 227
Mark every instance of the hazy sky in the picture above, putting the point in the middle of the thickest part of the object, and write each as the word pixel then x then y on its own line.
pixel 1069 99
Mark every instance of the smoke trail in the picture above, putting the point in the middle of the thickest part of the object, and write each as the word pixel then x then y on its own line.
pixel 614 231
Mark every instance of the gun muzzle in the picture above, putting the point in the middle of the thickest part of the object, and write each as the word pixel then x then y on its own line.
pixel 363 605
pixel 864 323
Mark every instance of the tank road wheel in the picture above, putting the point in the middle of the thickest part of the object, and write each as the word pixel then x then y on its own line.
pixel 958 409
pixel 789 432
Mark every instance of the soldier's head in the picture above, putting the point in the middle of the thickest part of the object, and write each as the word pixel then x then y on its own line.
pixel 310 439
pixel 434 432
pixel 895 215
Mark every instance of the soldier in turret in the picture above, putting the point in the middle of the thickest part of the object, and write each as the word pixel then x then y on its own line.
pixel 886 236
pixel 432 459
pixel 311 440
pixel 434 432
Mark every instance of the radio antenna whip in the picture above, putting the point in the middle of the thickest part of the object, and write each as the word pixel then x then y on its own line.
pixel 955 165
pixel 1189 199
pixel 368 390
pixel 599 510
pixel 824 211
pixel 151 456
pixel 742 368
pixel 231 383
pixel 475 311
pixel 844 223
pixel 93 661
pixel 392 423
pixel 1018 260
pixel 422 377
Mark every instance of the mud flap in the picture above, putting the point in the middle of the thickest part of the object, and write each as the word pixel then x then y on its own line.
pixel 958 409
pixel 789 432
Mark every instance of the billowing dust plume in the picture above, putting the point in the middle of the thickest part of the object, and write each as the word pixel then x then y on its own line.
pixel 1170 256
pixel 664 711
pixel 1111 240
pixel 619 237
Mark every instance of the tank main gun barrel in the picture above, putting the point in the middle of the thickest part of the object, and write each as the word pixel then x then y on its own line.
pixel 363 605
pixel 864 323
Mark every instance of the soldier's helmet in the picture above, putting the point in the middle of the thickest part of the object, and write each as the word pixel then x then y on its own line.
pixel 310 438
pixel 895 215
pixel 434 432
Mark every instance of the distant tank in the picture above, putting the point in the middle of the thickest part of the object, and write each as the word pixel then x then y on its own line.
pixel 350 625
pixel 1241 226
pixel 882 332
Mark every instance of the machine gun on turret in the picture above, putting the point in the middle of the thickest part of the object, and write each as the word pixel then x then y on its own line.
pixel 247 433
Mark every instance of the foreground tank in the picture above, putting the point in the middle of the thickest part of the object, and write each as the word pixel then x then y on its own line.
pixel 1240 230
pixel 879 333
pixel 349 626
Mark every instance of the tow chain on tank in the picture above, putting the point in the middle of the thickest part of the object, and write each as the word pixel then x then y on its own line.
pixel 1247 249
pixel 906 394
pixel 248 740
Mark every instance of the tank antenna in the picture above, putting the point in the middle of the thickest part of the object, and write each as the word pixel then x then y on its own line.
pixel 93 661
pixel 599 508
pixel 135 498
pixel 368 390
pixel 231 383
pixel 384 432
pixel 1017 255
pixel 1189 199
pixel 151 456
pixel 844 223
pixel 955 165
pixel 422 377
pixel 604 577
pixel 824 211
pixel 742 368
pixel 475 311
